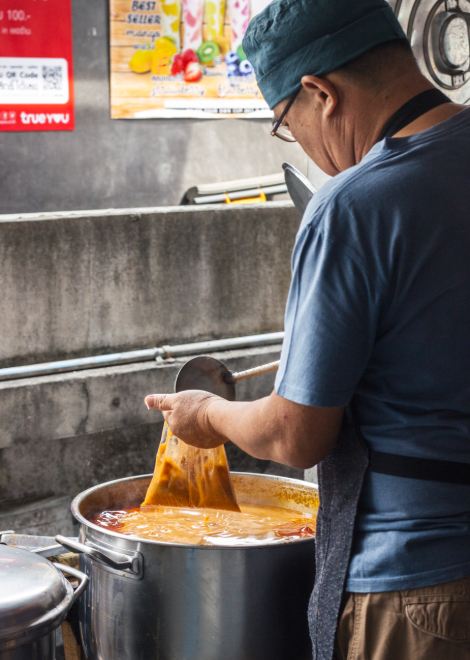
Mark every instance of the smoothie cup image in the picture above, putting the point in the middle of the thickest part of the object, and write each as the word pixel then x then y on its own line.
pixel 193 14
pixel 214 17
pixel 171 21
pixel 239 12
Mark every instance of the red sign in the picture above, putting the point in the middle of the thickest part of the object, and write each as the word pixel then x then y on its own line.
pixel 36 76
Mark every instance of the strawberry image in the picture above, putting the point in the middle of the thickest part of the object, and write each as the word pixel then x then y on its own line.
pixel 177 65
pixel 193 72
pixel 189 56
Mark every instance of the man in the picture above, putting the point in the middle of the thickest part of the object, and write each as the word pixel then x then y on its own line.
pixel 374 382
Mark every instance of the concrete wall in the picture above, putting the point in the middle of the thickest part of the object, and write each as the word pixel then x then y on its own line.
pixel 62 434
pixel 85 283
pixel 108 163
pixel 76 284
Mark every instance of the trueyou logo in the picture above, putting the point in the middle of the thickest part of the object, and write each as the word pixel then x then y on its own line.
pixel 44 118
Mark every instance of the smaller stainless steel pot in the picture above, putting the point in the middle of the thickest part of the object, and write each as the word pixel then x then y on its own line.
pixel 35 598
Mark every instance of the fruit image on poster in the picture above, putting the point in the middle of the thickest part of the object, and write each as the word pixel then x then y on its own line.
pixel 182 58
pixel 36 76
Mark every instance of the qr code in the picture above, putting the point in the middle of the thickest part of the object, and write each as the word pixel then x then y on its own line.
pixel 52 77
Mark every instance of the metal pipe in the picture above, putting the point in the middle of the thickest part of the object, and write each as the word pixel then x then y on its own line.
pixel 148 354
pixel 214 345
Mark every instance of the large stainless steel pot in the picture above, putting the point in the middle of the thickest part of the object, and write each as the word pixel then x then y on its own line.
pixel 159 601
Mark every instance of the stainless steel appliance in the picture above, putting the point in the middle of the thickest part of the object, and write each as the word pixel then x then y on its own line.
pixel 159 601
pixel 439 32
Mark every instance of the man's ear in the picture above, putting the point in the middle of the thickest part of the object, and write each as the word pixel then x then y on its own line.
pixel 323 91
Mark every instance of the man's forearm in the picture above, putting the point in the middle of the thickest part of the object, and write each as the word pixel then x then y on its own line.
pixel 271 428
pixel 252 426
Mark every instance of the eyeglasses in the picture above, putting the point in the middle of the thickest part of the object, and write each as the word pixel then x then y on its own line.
pixel 278 128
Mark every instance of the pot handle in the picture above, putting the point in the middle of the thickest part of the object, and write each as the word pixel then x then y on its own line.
pixel 117 560
pixel 68 570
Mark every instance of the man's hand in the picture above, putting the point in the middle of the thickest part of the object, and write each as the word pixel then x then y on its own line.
pixel 187 416
pixel 271 428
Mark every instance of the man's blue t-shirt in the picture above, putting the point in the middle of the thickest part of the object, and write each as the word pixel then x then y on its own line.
pixel 379 310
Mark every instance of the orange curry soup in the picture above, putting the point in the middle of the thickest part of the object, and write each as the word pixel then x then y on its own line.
pixel 252 525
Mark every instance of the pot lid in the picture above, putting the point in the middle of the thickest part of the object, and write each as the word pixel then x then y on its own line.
pixel 34 595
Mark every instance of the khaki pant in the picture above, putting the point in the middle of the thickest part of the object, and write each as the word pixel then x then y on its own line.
pixel 432 623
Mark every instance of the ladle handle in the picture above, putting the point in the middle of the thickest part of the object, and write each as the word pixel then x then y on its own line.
pixel 236 376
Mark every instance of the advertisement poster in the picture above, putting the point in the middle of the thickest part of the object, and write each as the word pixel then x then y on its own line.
pixel 36 77
pixel 182 58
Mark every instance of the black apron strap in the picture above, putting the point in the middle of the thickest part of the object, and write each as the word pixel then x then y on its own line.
pixel 340 477
pixel 411 467
pixel 413 109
